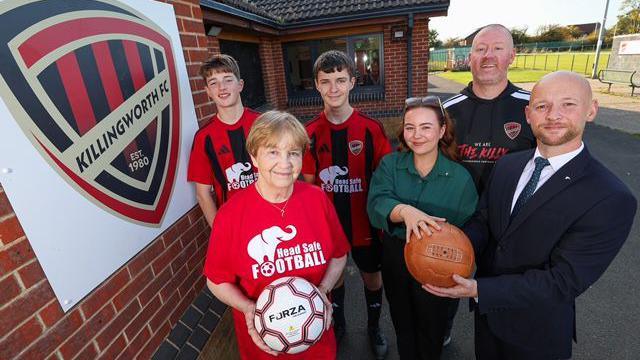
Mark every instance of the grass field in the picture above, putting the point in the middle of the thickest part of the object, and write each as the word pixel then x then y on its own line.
pixel 531 67
pixel 515 75
pixel 577 62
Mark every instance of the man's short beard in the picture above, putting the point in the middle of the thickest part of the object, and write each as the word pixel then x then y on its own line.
pixel 565 138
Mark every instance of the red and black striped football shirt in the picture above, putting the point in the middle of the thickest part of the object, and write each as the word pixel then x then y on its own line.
pixel 342 158
pixel 219 156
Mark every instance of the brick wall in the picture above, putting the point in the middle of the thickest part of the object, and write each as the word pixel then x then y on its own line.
pixel 395 68
pixel 131 313
pixel 420 43
pixel 273 74
pixel 213 45
pixel 395 81
pixel 395 72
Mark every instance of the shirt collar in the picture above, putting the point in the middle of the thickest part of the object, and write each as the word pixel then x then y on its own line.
pixel 442 166
pixel 559 161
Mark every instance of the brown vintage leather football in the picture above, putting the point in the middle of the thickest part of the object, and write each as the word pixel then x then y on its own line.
pixel 434 259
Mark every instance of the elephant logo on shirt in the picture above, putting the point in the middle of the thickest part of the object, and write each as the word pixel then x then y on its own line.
pixel 234 171
pixel 329 175
pixel 264 246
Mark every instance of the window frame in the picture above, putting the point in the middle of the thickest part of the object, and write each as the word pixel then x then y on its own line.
pixel 314 45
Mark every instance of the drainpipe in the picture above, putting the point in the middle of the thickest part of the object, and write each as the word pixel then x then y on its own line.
pixel 410 57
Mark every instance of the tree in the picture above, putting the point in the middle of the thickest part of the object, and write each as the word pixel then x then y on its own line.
pixel 520 35
pixel 434 42
pixel 593 38
pixel 553 32
pixel 628 5
pixel 629 22
pixel 452 42
pixel 574 32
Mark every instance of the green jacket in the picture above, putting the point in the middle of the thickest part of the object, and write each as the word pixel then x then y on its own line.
pixel 447 191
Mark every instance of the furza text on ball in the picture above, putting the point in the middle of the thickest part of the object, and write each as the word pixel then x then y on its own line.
pixel 293 311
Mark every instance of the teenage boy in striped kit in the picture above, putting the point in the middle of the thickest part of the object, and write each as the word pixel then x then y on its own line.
pixel 219 164
pixel 346 147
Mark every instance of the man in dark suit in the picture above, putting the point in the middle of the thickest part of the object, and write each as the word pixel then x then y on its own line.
pixel 548 225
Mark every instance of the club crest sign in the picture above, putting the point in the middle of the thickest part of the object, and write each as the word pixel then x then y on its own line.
pixel 93 86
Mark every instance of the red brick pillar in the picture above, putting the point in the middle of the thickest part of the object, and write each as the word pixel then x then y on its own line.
pixel 420 43
pixel 213 45
pixel 273 72
pixel 395 66
pixel 130 313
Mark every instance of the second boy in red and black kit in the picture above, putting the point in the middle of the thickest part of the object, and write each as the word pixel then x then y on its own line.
pixel 346 147
pixel 219 159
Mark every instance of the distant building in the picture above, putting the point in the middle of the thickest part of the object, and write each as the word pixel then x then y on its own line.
pixel 469 39
pixel 586 29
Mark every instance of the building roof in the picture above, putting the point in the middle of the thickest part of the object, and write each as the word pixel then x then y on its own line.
pixel 305 11
pixel 471 36
pixel 587 28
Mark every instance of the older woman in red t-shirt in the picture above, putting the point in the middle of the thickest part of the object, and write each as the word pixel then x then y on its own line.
pixel 283 214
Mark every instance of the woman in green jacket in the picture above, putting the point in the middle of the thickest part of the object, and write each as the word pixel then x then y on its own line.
pixel 420 185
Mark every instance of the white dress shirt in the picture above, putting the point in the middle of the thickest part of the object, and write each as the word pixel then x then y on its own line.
pixel 556 162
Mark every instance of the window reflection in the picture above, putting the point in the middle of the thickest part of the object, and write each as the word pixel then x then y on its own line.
pixel 367 59
pixel 300 67
pixel 366 51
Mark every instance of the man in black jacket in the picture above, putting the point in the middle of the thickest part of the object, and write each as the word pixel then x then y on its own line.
pixel 550 222
pixel 489 113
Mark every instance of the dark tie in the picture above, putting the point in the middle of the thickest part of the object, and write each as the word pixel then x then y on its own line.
pixel 530 188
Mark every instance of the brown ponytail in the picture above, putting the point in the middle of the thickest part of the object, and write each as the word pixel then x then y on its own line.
pixel 448 144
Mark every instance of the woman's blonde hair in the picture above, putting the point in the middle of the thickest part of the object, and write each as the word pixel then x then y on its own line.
pixel 271 126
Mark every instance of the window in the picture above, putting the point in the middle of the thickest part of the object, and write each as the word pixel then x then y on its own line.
pixel 367 58
pixel 300 67
pixel 366 51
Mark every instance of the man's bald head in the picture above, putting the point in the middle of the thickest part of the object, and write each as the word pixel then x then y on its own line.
pixel 508 39
pixel 491 55
pixel 560 106
pixel 568 78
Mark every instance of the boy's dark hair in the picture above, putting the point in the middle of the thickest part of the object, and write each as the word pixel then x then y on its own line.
pixel 219 63
pixel 334 60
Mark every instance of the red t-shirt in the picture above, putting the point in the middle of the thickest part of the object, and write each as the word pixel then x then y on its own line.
pixel 342 158
pixel 219 156
pixel 252 245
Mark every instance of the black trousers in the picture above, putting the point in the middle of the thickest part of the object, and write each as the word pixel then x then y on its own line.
pixel 490 347
pixel 419 318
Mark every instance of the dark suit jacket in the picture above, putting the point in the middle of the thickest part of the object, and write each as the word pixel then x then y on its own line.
pixel 531 269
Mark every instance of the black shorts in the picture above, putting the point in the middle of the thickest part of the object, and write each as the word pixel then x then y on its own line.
pixel 368 258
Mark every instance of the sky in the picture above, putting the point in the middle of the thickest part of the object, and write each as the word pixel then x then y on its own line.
pixel 465 16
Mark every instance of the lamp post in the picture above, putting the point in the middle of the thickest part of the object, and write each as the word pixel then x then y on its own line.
pixel 594 73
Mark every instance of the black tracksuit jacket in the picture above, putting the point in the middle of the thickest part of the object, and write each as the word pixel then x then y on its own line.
pixel 488 129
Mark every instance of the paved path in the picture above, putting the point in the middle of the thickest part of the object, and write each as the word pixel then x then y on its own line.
pixel 607 314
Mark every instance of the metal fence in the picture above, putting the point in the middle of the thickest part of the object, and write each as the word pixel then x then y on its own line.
pixel 575 56
pixel 580 62
pixel 454 58
pixel 577 62
pixel 559 46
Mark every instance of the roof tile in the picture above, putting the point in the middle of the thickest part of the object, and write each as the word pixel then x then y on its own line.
pixel 300 10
